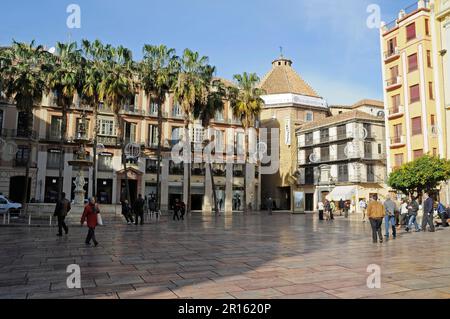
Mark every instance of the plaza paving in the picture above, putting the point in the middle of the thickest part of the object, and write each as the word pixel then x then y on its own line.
pixel 254 256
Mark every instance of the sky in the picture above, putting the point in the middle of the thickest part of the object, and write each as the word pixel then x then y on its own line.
pixel 329 41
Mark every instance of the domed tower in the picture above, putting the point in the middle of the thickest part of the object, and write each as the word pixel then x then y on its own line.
pixel 289 102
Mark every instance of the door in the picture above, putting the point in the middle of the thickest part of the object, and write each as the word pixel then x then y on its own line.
pixel 16 188
pixel 132 184
pixel 309 202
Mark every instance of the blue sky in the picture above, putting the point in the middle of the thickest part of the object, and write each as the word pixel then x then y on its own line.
pixel 328 40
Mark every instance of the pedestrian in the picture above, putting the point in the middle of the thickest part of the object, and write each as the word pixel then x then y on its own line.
pixel 138 208
pixel 375 213
pixel 61 210
pixel 389 220
pixel 176 209
pixel 220 204
pixel 442 212
pixel 363 207
pixel 182 210
pixel 90 213
pixel 341 206
pixel 332 209
pixel 320 207
pixel 269 205
pixel 152 205
pixel 403 214
pixel 346 208
pixel 428 212
pixel 413 210
pixel 126 212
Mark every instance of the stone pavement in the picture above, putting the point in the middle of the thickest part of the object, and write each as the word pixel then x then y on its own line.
pixel 254 256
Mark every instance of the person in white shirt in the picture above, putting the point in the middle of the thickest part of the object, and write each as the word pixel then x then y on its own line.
pixel 403 214
pixel 363 207
pixel 320 207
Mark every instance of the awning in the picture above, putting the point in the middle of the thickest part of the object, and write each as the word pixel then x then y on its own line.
pixel 342 192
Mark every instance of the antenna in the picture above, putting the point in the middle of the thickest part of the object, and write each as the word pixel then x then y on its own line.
pixel 281 51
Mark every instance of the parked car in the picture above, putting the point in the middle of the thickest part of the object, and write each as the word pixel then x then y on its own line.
pixel 7 206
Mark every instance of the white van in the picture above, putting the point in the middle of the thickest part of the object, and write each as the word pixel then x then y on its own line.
pixel 6 206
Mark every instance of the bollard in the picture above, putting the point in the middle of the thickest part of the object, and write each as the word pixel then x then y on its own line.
pixel 4 219
pixel 8 218
pixel 50 220
pixel 29 219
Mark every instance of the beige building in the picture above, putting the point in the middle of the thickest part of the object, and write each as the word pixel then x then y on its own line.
pixel 342 157
pixel 289 102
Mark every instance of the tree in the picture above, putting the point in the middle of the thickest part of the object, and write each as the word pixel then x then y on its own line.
pixel 191 89
pixel 65 79
pixel 206 112
pixel 246 103
pixel 157 74
pixel 423 174
pixel 22 78
pixel 116 88
pixel 95 54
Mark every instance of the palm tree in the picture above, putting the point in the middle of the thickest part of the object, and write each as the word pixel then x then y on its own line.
pixel 116 88
pixel 66 81
pixel 22 78
pixel 157 75
pixel 246 103
pixel 190 89
pixel 95 54
pixel 206 112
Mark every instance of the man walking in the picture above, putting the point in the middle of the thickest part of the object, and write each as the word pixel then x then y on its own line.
pixel 138 209
pixel 320 207
pixel 389 220
pixel 269 205
pixel 375 213
pixel 363 207
pixel 427 213
pixel 413 210
pixel 61 210
pixel 341 206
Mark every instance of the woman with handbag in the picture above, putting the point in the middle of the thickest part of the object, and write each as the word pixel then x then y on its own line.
pixel 91 214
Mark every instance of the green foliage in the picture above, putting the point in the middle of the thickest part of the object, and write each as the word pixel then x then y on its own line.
pixel 423 174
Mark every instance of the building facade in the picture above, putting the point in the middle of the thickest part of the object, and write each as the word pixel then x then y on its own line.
pixel 342 157
pixel 416 73
pixel 141 133
pixel 289 103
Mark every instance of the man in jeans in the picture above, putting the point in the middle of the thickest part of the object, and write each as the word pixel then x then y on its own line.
pixel 375 213
pixel 389 220
pixel 427 213
pixel 413 210
pixel 61 210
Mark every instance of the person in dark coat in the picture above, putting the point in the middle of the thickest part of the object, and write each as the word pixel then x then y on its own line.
pixel 61 210
pixel 428 211
pixel 138 209
pixel 341 206
pixel 90 213
pixel 176 209
pixel 182 210
pixel 126 212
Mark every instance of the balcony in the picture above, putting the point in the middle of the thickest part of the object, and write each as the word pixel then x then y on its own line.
pixel 405 13
pixel 132 110
pixel 391 55
pixel 398 141
pixel 176 170
pixel 102 108
pixel 393 83
pixel 396 112
pixel 107 140
pixel 19 134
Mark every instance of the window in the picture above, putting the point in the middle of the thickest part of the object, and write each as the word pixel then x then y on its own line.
pixel 343 173
pixel 309 157
pixel 219 140
pixel 324 135
pixel 309 175
pixel 151 166
pixel 107 127
pixel 153 135
pixel 417 154
pixel 219 115
pixel 154 108
pixel 397 136
pixel 177 134
pixel 55 127
pixel 309 117
pixel 412 62
pixel 239 143
pixel 130 132
pixel 86 129
pixel 392 46
pixel 309 138
pixel 176 110
pixel 199 134
pixel 394 73
pixel 427 27
pixel 380 149
pixel 414 92
pixel 429 59
pixel 105 162
pixel 433 120
pixel 368 130
pixel 416 126
pixel 325 154
pixel 341 151
pixel 434 151
pixel 342 131
pixel 430 90
pixel 368 150
pixel 396 104
pixel 411 32
pixel 22 124
pixel 370 173
pixel 53 158
pixel 22 155
pixel 398 160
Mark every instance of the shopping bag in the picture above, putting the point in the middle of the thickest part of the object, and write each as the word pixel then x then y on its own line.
pixel 99 219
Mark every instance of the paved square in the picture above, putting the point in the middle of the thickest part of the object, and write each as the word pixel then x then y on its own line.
pixel 254 256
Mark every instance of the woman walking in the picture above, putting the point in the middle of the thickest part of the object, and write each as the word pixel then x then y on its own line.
pixel 90 215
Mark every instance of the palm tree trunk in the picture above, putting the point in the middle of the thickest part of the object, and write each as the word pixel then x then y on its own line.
pixel 158 153
pixel 61 148
pixel 214 191
pixel 245 169
pixel 27 167
pixel 120 134
pixel 188 164
pixel 94 153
